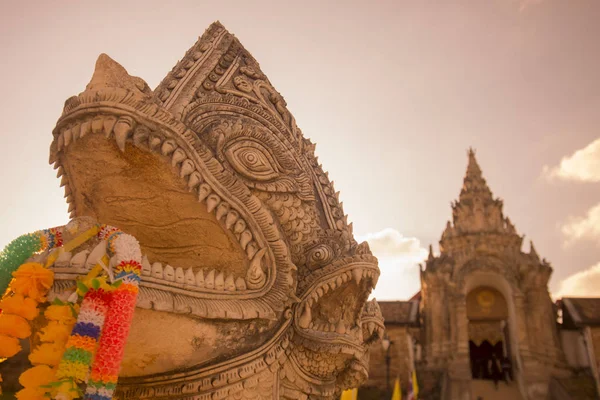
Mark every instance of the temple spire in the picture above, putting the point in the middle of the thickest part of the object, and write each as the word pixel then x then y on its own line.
pixel 478 223
pixel 476 210
pixel 473 167
pixel 474 183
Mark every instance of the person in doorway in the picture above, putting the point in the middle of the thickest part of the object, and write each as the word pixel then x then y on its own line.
pixel 495 369
pixel 479 367
pixel 507 370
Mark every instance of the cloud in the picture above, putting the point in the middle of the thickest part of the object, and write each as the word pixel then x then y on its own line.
pixel 391 243
pixel 583 165
pixel 581 284
pixel 398 261
pixel 587 227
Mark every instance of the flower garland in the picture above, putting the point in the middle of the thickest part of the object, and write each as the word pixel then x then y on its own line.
pixel 16 252
pixel 46 356
pixel 28 283
pixel 73 345
pixel 107 364
pixel 98 339
pixel 83 341
pixel 20 305
pixel 17 311
pixel 61 362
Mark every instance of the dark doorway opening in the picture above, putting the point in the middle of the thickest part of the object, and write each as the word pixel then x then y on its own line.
pixel 486 359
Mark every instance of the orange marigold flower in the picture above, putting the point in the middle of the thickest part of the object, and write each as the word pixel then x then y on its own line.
pixel 55 332
pixel 66 391
pixel 19 305
pixel 63 314
pixel 9 346
pixel 33 280
pixel 15 326
pixel 47 354
pixel 37 376
pixel 31 394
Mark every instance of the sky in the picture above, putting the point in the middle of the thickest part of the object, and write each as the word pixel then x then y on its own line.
pixel 393 93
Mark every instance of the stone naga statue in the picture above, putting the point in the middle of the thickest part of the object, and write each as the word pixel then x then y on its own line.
pixel 253 286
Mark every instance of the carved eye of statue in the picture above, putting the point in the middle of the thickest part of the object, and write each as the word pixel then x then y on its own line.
pixel 320 256
pixel 252 160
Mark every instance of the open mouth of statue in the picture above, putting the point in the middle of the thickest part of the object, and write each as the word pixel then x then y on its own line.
pixel 332 308
pixel 208 278
pixel 150 183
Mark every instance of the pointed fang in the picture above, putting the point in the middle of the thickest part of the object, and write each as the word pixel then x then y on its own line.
pixel 123 129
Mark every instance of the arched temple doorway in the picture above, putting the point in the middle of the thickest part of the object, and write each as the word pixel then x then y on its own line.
pixel 487 313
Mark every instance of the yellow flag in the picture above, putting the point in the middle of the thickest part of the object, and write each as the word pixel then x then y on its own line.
pixel 397 395
pixel 350 394
pixel 415 385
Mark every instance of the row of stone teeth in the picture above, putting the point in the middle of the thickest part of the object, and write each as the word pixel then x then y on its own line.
pixel 356 274
pixel 125 129
pixel 212 279
pixel 374 328
pixel 306 322
pixel 339 328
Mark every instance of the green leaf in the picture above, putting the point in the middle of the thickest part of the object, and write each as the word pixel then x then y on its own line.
pixel 81 287
pixel 116 284
pixel 73 311
pixel 52 384
pixel 95 283
pixel 58 302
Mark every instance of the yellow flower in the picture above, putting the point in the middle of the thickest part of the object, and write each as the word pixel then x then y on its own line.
pixel 37 376
pixel 55 332
pixel 66 391
pixel 31 394
pixel 32 280
pixel 9 346
pixel 63 314
pixel 15 326
pixel 47 354
pixel 19 305
pixel 87 281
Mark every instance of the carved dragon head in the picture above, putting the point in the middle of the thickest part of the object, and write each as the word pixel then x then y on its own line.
pixel 251 268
